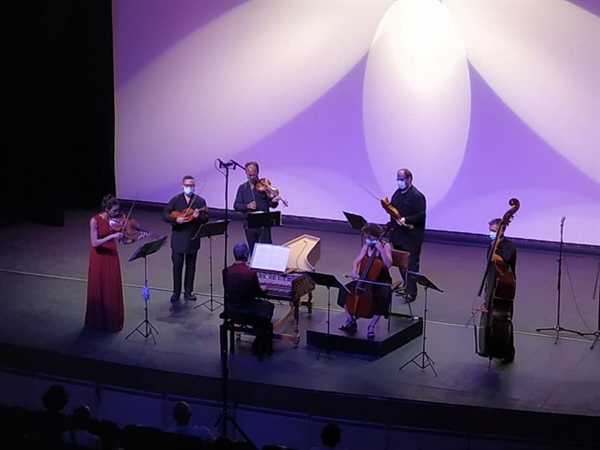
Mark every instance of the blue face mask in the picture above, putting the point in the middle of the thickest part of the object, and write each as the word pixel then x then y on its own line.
pixel 188 190
pixel 402 184
pixel 493 235
pixel 370 242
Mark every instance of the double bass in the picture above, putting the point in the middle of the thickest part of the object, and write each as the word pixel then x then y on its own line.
pixel 495 336
pixel 359 301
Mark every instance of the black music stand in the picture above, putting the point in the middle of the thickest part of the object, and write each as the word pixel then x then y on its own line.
pixel 209 230
pixel 356 222
pixel 329 281
pixel 143 252
pixel 425 360
pixel 264 219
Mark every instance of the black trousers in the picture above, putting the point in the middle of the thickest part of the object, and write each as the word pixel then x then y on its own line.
pixel 413 265
pixel 260 235
pixel 179 260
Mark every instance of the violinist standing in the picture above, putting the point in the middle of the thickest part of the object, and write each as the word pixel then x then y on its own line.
pixel 408 232
pixel 186 212
pixel 505 252
pixel 104 310
pixel 382 292
pixel 248 200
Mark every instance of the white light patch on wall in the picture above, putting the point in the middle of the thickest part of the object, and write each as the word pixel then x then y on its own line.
pixel 543 60
pixel 417 97
pixel 232 83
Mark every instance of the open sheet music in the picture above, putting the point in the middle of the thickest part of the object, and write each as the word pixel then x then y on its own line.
pixel 270 257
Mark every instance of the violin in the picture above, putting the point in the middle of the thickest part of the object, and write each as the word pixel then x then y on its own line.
pixel 393 211
pixel 187 214
pixel 264 186
pixel 130 228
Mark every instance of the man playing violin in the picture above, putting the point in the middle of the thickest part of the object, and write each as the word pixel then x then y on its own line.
pixel 185 212
pixel 374 258
pixel 249 200
pixel 408 232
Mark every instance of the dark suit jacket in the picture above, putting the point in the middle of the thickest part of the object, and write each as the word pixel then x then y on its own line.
pixel 241 285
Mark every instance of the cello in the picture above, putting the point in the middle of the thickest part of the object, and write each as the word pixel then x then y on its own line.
pixel 495 335
pixel 360 302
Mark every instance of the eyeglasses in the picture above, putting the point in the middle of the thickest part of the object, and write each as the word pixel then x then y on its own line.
pixel 189 185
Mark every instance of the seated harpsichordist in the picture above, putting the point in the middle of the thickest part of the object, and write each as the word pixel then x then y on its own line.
pixel 243 292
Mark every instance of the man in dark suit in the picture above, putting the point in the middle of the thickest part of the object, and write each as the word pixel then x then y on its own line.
pixel 242 292
pixel 186 212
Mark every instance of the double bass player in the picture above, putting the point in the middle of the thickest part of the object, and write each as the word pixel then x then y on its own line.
pixel 505 252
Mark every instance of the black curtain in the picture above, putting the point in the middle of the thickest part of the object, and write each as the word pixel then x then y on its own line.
pixel 58 138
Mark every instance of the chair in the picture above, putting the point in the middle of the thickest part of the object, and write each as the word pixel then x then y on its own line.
pixel 143 437
pixel 249 324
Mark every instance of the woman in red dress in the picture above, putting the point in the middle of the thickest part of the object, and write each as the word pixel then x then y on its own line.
pixel 105 310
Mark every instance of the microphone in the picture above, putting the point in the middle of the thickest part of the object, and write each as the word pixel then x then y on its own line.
pixel 225 164
pixel 562 221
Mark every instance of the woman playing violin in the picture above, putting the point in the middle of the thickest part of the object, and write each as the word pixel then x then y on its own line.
pixel 185 212
pixel 378 287
pixel 250 199
pixel 104 290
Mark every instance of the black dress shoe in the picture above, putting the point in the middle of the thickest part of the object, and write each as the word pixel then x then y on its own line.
pixel 190 298
pixel 174 298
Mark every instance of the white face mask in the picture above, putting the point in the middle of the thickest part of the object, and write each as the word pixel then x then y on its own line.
pixel 188 190
pixel 370 242
pixel 402 184
pixel 493 235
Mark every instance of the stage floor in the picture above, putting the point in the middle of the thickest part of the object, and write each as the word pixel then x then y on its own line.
pixel 43 273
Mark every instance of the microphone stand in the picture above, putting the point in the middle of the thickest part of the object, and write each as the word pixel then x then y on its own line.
pixel 225 417
pixel 597 332
pixel 557 328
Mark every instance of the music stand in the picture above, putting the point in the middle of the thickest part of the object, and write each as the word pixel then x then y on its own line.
pixel 425 360
pixel 209 230
pixel 329 281
pixel 264 219
pixel 143 252
pixel 356 222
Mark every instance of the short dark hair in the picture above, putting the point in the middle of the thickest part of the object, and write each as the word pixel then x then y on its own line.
pixel 187 177
pixel 497 221
pixel 252 163
pixel 241 251
pixel 407 172
pixel 331 434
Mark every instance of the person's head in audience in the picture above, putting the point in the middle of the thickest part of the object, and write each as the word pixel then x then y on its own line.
pixel 55 398
pixel 81 418
pixel 331 434
pixel 241 252
pixel 182 413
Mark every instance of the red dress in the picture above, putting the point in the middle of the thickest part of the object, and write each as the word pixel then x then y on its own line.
pixel 105 310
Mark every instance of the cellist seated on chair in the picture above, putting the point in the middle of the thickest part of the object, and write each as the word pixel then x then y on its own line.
pixel 370 292
pixel 242 292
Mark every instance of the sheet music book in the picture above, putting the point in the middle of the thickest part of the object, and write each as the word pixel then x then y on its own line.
pixel 270 257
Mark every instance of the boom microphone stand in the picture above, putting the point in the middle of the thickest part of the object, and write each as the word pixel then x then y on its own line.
pixel 225 417
pixel 557 328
